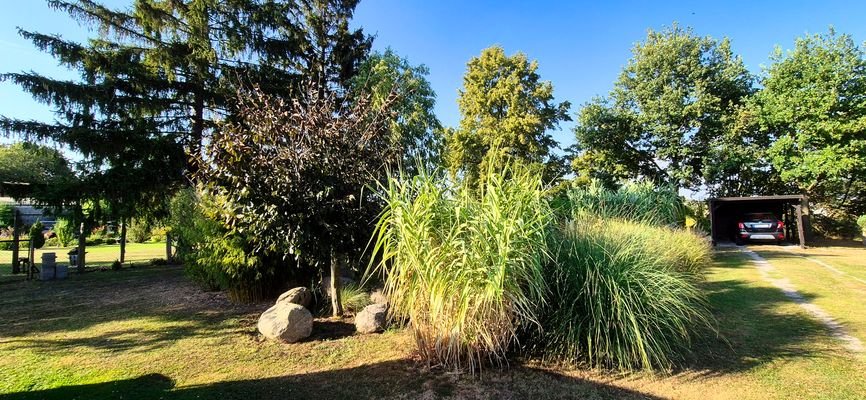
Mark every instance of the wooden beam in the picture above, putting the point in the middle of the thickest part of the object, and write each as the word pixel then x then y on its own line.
pixel 800 233
pixel 16 266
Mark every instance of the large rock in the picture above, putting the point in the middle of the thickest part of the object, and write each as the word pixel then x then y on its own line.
pixel 298 295
pixel 288 322
pixel 371 318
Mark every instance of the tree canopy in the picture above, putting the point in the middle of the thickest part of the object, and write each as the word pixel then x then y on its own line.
pixel 676 96
pixel 35 171
pixel 504 105
pixel 813 106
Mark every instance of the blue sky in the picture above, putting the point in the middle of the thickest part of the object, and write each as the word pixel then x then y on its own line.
pixel 580 46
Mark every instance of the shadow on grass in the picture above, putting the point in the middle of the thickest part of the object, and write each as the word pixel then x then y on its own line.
pixel 752 329
pixel 382 380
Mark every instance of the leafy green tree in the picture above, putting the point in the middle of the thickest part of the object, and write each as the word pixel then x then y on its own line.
pixel 44 170
pixel 813 104
pixel 296 174
pixel 678 93
pixel 36 237
pixel 504 105
pixel 414 127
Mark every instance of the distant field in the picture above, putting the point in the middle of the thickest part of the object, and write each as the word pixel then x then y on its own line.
pixel 101 255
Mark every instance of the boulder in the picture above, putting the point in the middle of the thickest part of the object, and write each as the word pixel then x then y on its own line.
pixel 298 295
pixel 378 297
pixel 288 322
pixel 371 318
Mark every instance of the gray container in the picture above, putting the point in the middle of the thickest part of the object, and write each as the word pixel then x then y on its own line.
pixel 61 271
pixel 47 272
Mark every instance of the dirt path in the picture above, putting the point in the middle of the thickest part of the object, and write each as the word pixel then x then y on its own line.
pixel 838 331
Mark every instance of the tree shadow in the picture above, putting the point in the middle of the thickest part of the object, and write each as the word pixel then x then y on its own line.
pixel 391 379
pixel 752 331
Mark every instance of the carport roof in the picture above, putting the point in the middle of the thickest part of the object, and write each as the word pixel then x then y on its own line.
pixel 760 198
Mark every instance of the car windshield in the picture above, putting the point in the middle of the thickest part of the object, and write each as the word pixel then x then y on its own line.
pixel 762 217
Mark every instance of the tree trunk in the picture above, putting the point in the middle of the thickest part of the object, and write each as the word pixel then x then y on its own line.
pixel 123 241
pixel 82 242
pixel 336 283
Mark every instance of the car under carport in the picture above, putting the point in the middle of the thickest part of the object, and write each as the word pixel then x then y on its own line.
pixel 793 210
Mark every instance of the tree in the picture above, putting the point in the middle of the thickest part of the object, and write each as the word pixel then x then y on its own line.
pixel 677 95
pixel 295 174
pixel 43 170
pixel 813 105
pixel 160 74
pixel 504 105
pixel 415 128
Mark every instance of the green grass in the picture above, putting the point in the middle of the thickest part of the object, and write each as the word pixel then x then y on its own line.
pixel 97 256
pixel 148 333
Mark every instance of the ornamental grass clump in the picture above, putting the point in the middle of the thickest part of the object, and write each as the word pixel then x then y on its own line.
pixel 640 201
pixel 617 299
pixel 465 265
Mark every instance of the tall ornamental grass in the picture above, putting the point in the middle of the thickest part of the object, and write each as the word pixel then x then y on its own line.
pixel 623 294
pixel 465 265
pixel 640 201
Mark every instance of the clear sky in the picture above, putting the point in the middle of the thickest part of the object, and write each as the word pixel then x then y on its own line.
pixel 580 46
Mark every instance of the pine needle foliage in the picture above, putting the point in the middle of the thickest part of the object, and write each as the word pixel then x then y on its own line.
pixel 465 264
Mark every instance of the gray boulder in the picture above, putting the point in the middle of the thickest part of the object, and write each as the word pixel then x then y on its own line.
pixel 288 322
pixel 298 295
pixel 371 318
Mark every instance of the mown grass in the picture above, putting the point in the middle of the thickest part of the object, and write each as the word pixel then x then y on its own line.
pixel 97 256
pixel 148 333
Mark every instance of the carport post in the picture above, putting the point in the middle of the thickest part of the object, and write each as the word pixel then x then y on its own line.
pixel 800 233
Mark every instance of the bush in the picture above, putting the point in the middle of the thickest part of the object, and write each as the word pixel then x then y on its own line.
pixel 36 236
pixel 53 242
pixel 213 256
pixel 465 265
pixel 94 241
pixel 618 300
pixel 116 265
pixel 65 231
pixel 138 231
pixel 158 261
pixel 7 215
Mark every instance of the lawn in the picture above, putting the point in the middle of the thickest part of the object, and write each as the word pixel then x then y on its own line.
pixel 146 332
pixel 97 256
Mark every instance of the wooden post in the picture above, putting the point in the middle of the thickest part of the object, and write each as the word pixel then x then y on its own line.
pixel 16 266
pixel 168 247
pixel 30 259
pixel 800 233
pixel 82 242
pixel 122 241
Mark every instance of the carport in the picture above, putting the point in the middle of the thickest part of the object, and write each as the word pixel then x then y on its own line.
pixel 725 212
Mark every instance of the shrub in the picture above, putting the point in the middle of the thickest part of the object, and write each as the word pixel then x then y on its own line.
pixel 861 222
pixel 116 265
pixel 138 231
pixel 94 241
pixel 36 236
pixel 7 215
pixel 53 242
pixel 65 231
pixel 633 201
pixel 158 261
pixel 618 299
pixel 465 265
